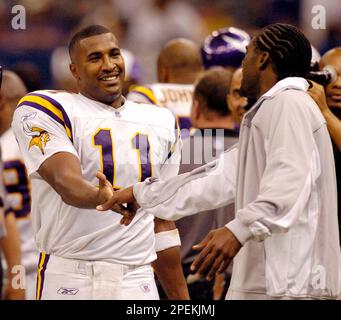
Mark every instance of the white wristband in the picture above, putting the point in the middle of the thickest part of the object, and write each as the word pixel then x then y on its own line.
pixel 167 239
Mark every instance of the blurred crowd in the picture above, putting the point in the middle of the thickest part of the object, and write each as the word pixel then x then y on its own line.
pixel 142 27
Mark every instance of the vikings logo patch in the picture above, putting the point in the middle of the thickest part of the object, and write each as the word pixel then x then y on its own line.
pixel 39 137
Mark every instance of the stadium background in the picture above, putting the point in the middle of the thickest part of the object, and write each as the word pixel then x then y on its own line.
pixel 143 27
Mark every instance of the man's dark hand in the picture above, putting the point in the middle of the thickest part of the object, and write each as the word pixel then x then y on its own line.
pixel 218 249
pixel 116 201
pixel 316 91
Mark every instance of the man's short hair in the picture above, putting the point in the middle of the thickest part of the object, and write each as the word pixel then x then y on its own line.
pixel 289 49
pixel 211 89
pixel 90 31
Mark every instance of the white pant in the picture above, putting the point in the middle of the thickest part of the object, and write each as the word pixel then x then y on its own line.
pixel 66 279
pixel 239 295
pixel 31 280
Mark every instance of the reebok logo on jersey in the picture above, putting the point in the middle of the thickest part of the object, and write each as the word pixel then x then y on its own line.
pixel 67 291
pixel 145 287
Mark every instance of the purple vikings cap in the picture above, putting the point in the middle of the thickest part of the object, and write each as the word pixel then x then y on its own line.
pixel 225 47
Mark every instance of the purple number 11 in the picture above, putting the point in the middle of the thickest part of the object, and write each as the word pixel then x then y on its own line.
pixel 103 140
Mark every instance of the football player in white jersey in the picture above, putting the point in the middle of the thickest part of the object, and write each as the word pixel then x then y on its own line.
pixel 16 180
pixel 65 138
pixel 9 235
pixel 178 65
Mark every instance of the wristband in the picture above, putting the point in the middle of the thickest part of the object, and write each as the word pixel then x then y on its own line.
pixel 167 239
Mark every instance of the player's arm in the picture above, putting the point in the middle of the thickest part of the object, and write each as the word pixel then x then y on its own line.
pixel 45 139
pixel 333 122
pixel 47 148
pixel 62 171
pixel 167 240
pixel 168 264
pixel 11 248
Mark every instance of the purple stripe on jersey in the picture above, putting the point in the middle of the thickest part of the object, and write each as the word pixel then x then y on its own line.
pixel 103 139
pixel 57 105
pixel 37 278
pixel 41 108
pixel 141 143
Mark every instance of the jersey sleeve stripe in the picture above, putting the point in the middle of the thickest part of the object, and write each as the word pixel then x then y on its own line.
pixel 41 108
pixel 50 107
pixel 146 93
pixel 57 105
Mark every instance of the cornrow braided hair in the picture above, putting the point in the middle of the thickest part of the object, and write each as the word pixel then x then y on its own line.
pixel 289 49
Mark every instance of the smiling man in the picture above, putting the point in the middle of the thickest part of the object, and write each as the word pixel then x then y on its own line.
pixel 65 138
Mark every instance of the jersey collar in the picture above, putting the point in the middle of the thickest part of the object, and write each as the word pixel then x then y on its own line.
pixel 121 108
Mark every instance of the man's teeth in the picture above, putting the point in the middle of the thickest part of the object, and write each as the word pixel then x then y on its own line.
pixel 109 78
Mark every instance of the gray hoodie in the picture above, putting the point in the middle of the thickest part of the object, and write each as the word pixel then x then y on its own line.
pixel 282 176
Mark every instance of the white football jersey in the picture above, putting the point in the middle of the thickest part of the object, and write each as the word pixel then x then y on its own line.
pixel 18 187
pixel 176 97
pixel 127 144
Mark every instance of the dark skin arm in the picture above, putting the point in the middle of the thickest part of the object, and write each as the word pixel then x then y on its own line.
pixel 168 266
pixel 11 247
pixel 62 171
pixel 119 197
pixel 316 91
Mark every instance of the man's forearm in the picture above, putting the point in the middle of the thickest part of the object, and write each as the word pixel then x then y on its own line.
pixel 11 243
pixel 77 192
pixel 169 272
pixel 168 264
pixel 63 173
pixel 11 246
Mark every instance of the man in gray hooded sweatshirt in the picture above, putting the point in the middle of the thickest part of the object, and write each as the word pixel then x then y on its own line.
pixel 284 238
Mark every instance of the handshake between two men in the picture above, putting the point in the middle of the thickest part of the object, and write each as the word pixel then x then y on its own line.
pixel 218 248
